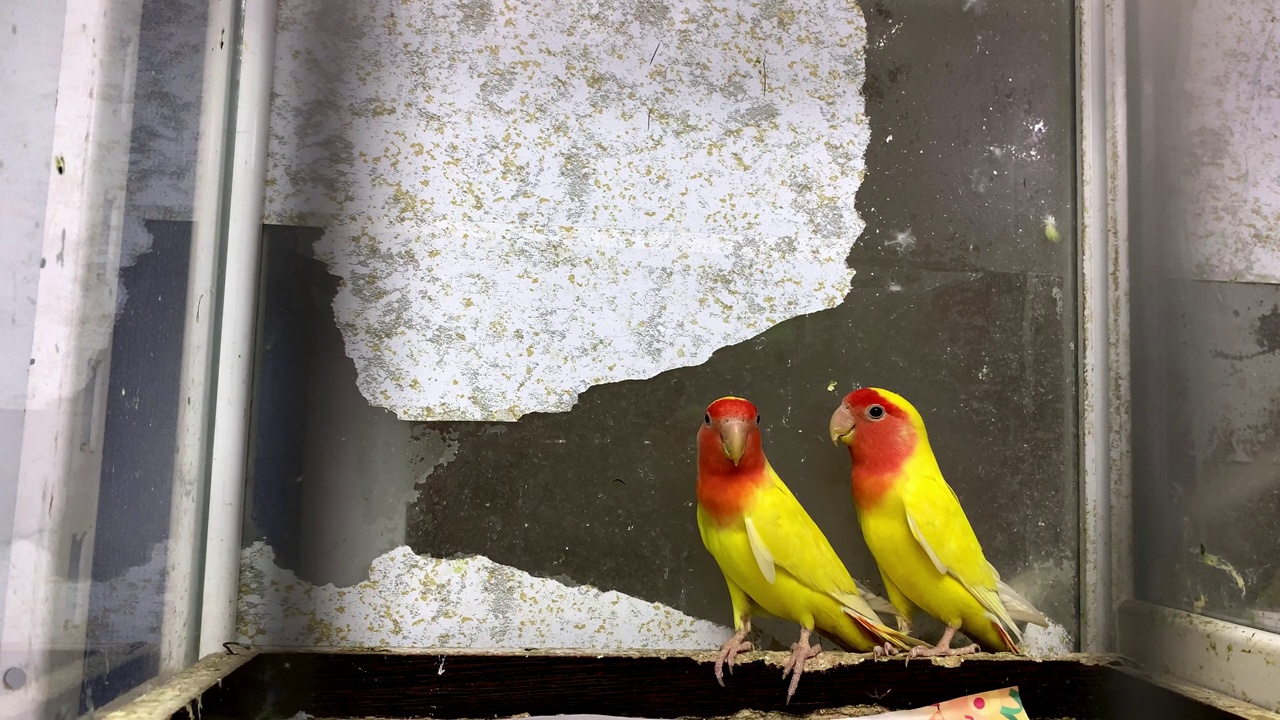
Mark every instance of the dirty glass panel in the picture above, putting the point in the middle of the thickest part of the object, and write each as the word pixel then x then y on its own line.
pixel 1206 303
pixel 98 148
pixel 511 263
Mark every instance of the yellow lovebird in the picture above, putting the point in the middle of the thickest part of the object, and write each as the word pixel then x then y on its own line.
pixel 774 558
pixel 915 528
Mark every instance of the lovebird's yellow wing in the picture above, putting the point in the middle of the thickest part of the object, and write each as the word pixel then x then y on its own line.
pixel 915 527
pixel 776 556
pixel 937 522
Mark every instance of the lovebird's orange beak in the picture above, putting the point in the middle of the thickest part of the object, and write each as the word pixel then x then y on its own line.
pixel 733 436
pixel 841 426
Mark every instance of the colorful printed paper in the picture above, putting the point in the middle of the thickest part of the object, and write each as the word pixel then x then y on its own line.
pixel 1003 704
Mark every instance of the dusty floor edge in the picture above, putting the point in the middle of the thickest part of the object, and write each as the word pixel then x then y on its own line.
pixel 182 690
pixel 828 659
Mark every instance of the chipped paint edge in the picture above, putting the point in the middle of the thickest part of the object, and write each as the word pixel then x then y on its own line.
pixel 1238 661
pixel 1106 542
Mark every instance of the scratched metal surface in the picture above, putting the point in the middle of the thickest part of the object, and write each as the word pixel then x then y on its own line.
pixel 962 301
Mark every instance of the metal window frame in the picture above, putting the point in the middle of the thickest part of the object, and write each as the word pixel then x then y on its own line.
pixel 1233 659
pixel 47 593
pixel 1103 297
pixel 45 614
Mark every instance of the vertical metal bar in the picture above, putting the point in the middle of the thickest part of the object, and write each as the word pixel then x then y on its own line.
pixel 239 306
pixel 180 625
pixel 1106 535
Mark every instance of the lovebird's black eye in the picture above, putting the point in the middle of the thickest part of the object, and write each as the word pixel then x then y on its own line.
pixel 875 412
pixel 707 418
pixel 757 418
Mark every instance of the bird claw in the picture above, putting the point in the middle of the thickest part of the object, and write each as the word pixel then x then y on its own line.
pixel 728 653
pixel 801 651
pixel 927 651
pixel 886 650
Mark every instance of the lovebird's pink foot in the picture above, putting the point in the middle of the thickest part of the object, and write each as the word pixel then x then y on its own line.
pixel 886 650
pixel 943 647
pixel 800 652
pixel 730 650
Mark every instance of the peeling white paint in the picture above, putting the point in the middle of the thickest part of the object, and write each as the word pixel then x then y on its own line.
pixel 526 200
pixel 473 602
pixel 129 607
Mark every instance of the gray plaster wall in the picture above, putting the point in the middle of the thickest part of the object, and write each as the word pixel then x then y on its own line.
pixel 963 301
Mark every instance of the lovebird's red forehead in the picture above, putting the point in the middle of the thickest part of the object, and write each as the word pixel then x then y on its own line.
pixel 735 407
pixel 864 397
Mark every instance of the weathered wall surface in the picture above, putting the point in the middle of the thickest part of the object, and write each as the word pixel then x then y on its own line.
pixel 962 302
pixel 525 200
pixel 1206 336
pixel 1228 167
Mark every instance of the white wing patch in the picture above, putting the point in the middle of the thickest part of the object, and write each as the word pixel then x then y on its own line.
pixel 1002 604
pixel 1019 609
pixel 764 558
pixel 933 556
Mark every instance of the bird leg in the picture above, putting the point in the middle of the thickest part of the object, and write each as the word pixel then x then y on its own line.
pixel 800 652
pixel 889 649
pixel 886 650
pixel 943 647
pixel 731 648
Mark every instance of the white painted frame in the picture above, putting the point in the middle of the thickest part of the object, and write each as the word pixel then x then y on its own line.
pixel 240 296
pixel 1233 659
pixel 213 424
pixel 180 624
pixel 47 594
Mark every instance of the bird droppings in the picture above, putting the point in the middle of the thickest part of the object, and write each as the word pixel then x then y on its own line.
pixel 1046 641
pixel 903 241
pixel 1214 561
pixel 526 200
pixel 412 601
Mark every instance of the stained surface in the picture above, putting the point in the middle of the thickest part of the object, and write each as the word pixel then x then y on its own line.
pixel 1228 159
pixel 962 302
pixel 1206 309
